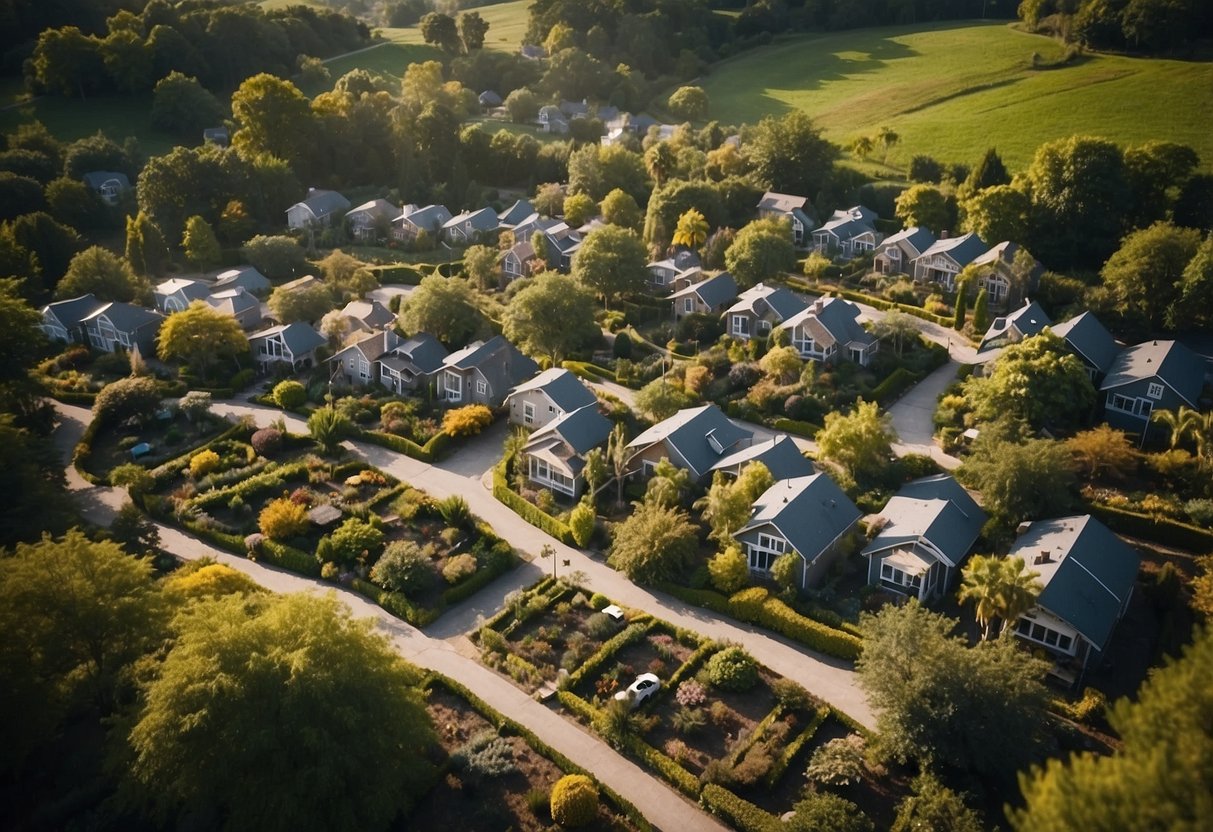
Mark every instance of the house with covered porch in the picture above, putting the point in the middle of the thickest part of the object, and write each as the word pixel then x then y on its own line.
pixel 120 327
pixel 759 309
pixel 896 254
pixel 290 345
pixel 555 453
pixel 694 438
pixel 707 297
pixel 849 232
pixel 947 258
pixel 483 372
pixel 829 330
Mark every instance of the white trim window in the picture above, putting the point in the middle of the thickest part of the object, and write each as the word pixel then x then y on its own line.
pixel 1154 391
pixel 528 413
pixel 762 555
pixel 688 305
pixel 1132 406
pixel 740 326
pixel 900 580
pixel 481 388
pixel 1039 633
pixel 452 386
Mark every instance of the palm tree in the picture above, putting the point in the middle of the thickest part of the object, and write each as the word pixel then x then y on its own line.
pixel 659 160
pixel 617 453
pixel 1179 423
pixel 1000 587
pixel 1020 590
pixel 862 147
pixel 692 230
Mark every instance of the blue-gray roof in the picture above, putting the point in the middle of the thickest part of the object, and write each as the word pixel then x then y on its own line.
pixel 713 292
pixel 565 390
pixel 482 219
pixel 516 213
pixel 1167 361
pixel 964 249
pixel 72 311
pixel 1029 319
pixel 582 429
pixel 935 509
pixel 323 203
pixel 1086 336
pixel 245 277
pixel 299 337
pixel 918 238
pixel 759 298
pixel 425 351
pixel 499 361
pixel 1087 572
pixel 429 218
pixel 95 179
pixel 779 454
pixel 809 513
pixel 697 436
pixel 832 320
pixel 126 317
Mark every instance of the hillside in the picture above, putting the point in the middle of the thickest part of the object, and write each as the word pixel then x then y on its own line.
pixel 507 24
pixel 952 90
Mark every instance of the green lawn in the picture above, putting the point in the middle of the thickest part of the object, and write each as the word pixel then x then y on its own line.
pixel 118 116
pixel 507 24
pixel 952 90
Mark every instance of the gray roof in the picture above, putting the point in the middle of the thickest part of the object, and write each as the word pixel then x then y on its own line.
pixel 372 346
pixel 377 207
pixel 964 250
pixel 713 292
pixel 779 454
pixel 489 98
pixel 235 300
pixel 126 317
pixel 831 321
pixel 574 108
pixel 565 390
pixel 72 311
pixel 95 179
pixel 425 351
pixel 516 213
pixel 482 219
pixel 189 289
pixel 1086 336
pixel 499 361
pixel 809 513
pixel 372 313
pixel 784 203
pixel 848 224
pixel 299 337
pixel 760 297
pixel 582 429
pixel 244 276
pixel 1088 574
pixel 698 436
pixel 322 203
pixel 935 509
pixel 915 237
pixel 1029 319
pixel 429 218
pixel 1168 361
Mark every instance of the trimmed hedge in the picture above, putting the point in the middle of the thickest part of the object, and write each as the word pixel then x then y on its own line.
pixel 894 385
pixel 288 557
pixel 692 664
pixel 577 705
pixel 756 605
pixel 633 632
pixel 881 303
pixel 77 397
pixel 793 748
pixel 1157 530
pixel 795 426
pixel 528 512
pixel 588 370
pixel 483 576
pixel 83 452
pixel 431 451
pixel 741 814
pixel 667 767
pixel 395 603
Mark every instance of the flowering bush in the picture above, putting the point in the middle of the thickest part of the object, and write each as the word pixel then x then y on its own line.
pixel 691 694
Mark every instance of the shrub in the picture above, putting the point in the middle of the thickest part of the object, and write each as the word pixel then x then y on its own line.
pixel 203 463
pixel 467 421
pixel 839 762
pixel 127 398
pixel 329 571
pixel 458 568
pixel 623 346
pixel 791 695
pixel 689 720
pixel 454 511
pixel 582 522
pixel 574 800
pixel 282 519
pixel 598 601
pixel 355 539
pixel 403 568
pixel 266 442
pixel 133 477
pixel 485 755
pixel 744 376
pixel 733 669
pixel 1200 512
pixel 691 694
pixel 289 394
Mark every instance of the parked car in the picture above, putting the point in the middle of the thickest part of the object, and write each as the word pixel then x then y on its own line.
pixel 646 685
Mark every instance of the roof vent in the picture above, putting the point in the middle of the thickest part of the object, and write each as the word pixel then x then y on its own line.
pixel 1043 557
pixel 714 442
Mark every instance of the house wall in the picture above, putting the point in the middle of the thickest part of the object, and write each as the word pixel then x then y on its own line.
pixel 1138 395
pixel 473 390
pixel 652 454
pixel 543 409
pixel 298 217
pixel 572 487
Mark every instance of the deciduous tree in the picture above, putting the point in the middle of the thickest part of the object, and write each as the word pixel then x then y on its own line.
pixel 201 335
pixel 611 262
pixel 860 441
pixel 788 154
pixel 654 544
pixel 182 106
pixel 1038 381
pixel 1146 274
pixel 1019 481
pixel 689 103
pixel 760 251
pixel 443 307
pixel 926 206
pixel 200 244
pixel 620 208
pixel 553 316
pixel 302 303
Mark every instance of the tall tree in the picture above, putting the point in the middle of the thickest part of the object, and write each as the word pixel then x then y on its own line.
pixel 1194 307
pixel 619 208
pixel 1038 381
pixel 472 29
pixel 1146 274
pixel 273 117
pixel 925 206
pixel 654 544
pixel 146 248
pixel 99 271
pixel 445 308
pixel 553 316
pixel 201 335
pixel 1020 480
pixel 990 171
pixel 659 161
pixel 442 31
pixel 998 213
pixel 618 454
pixel 760 251
pixel 611 262
pixel 304 303
pixel 789 154
pixel 182 106
pixel 999 588
pixel 860 441
pixel 200 244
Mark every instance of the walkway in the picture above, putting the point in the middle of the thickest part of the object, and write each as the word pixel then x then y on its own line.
pixel 913 416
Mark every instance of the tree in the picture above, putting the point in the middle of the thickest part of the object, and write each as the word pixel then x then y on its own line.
pixel 934 806
pixel 146 248
pixel 1159 776
pixel 981 311
pixel 654 544
pixel 667 484
pixel 74 204
pixel 782 364
pixel 689 104
pixel 935 697
pixel 67 61
pixel 595 471
pixel 443 307
pixel 1194 308
pixel 861 441
pixel 274 118
pixel 692 230
pixel 620 208
pixel 134 532
pixel 925 206
pixel 618 454
pixel 328 426
pixel 345 275
pixel 472 29
pixel 862 147
pixel 200 244
pixel 582 521
pixel 19 195
pixel 480 266
pixel 48 245
pixel 998 213
pixel 1103 452
pixel 199 336
pixel 660 161
pixel 827 812
pixel 760 251
pixel 612 262
pixel 661 399
pixel 999 588
pixel 726 506
pixel 133 398
pixel 182 106
pixel 521 104
pixel 100 272
pixel 1145 274
pixel 578 209
pixel 278 257
pixel 789 154
pixel 887 137
pixel 300 303
pixel 729 569
pixel 786 570
pixel 899 327
pixel 403 568
pixel 1038 381
pixel 368 725
pixel 990 172
pixel 1019 481
pixel 553 316
pixel 442 31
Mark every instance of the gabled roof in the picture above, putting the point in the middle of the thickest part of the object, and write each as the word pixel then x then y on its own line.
pixel 320 203
pixel 779 454
pixel 1087 576
pixel 378 207
pixel 372 313
pixel 699 436
pixel 189 289
pixel 856 212
pixel 429 218
pixel 582 430
pixel 964 249
pixel 482 219
pixel 372 346
pixel 916 238
pixel 713 292
pixel 125 317
pixel 299 337
pixel 425 351
pixel 1003 252
pixel 499 361
pixel 831 321
pixel 72 311
pixel 935 509
pixel 848 224
pixel 489 98
pixel 235 300
pixel 516 213
pixel 1168 361
pixel 564 389
pixel 1086 336
pixel 808 512
pixel 784 203
pixel 780 300
pixel 1029 319
pixel 245 276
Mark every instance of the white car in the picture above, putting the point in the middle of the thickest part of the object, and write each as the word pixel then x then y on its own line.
pixel 614 611
pixel 646 685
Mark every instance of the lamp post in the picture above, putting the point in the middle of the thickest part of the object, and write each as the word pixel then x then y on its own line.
pixel 548 551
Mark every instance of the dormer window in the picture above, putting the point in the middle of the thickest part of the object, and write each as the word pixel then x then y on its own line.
pixel 1154 391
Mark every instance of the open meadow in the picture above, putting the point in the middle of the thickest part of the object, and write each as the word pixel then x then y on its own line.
pixel 952 90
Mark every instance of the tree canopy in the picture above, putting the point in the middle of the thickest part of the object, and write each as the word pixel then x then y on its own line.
pixel 1147 273
pixel 788 154
pixel 553 316
pixel 655 543
pixel 611 262
pixel 199 336
pixel 1038 381
pixel 1019 480
pixel 860 441
pixel 760 251
pixel 445 308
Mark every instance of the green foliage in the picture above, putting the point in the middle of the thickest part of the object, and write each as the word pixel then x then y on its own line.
pixel 786 570
pixel 934 806
pixel 326 670
pixel 182 106
pixel 200 335
pixel 582 522
pixel 444 308
pixel 552 316
pixel 733 669
pixel 205 579
pixel 925 206
pixel 827 812
pixel 761 251
pixel 200 244
pixel 468 420
pixel 730 570
pixel 354 540
pixel 741 813
pixel 1000 588
pixel 404 568
pixel 1037 381
pixel 620 208
pixel 653 544
pixel 788 154
pixel 307 303
pixel 283 519
pixel 861 441
pixel 278 258
pixel 328 426
pixel 1145 275
pixel 574 801
pixel 981 311
pixel 526 510
pixel 134 398
pixel 611 262
pixel 839 762
pixel 289 394
pixel 689 104
pixel 1019 481
pixel 102 273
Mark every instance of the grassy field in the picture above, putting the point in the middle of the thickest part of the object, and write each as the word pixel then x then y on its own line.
pixel 69 119
pixel 507 24
pixel 952 90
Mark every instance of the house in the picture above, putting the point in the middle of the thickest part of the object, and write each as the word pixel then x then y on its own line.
pixel 760 308
pixel 243 277
pixel 371 220
pixel 320 208
pixel 300 284
pixel 411 363
pixel 574 109
pixel 484 372
pixel 470 227
pixel 547 397
pixel 555 453
pixel 1026 321
pixel 518 261
pixel 796 209
pixel 291 345
pixel 695 438
pixel 929 526
pixel 514 215
pixel 707 297
pixel 1087 338
pixel 1156 375
pixel 217 136
pixel 63 319
pixel 662 273
pixel 563 243
pixel 526 229
pixel 551 120
pixel 779 454
pixel 359 361
pixel 829 330
pixel 121 326
pixel 177 293
pixel 1087 575
pixel 370 315
pixel 413 220
pixel 851 232
pixel 110 185
pixel 997 272
pixel 806 515
pixel 895 254
pixel 947 258
pixel 489 99
pixel 238 303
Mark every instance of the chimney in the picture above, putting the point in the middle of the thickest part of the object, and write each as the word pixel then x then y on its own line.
pixel 943 235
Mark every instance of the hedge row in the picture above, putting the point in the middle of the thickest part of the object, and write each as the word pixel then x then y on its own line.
pixel 1155 529
pixel 756 605
pixel 83 452
pixel 77 397
pixel 483 576
pixel 692 664
pixel 577 705
pixel 588 370
pixel 739 749
pixel 249 488
pixel 431 451
pixel 395 603
pixel 793 748
pixel 528 512
pixel 795 426
pixel 170 468
pixel 881 303
pixel 669 768
pixel 289 558
pixel 894 385
pixel 741 814
pixel 633 632
pixel 568 766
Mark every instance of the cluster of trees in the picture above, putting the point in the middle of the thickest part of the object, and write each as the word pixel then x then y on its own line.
pixel 219 43
pixel 1154 26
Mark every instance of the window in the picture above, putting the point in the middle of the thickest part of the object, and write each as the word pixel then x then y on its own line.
pixel 764 327
pixel 1039 633
pixel 741 325
pixel 1132 406
pixel 528 413
pixel 481 388
pixel 895 576
pixel 775 544
pixel 452 383
pixel 1154 391
pixel 688 305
